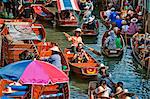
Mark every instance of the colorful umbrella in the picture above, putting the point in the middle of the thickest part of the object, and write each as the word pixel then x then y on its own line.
pixel 33 72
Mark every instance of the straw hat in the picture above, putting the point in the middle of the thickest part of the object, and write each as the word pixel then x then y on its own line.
pixel 77 30
pixel 82 1
pixel 112 9
pixel 140 13
pixel 124 22
pixel 134 20
pixel 55 48
pixel 91 18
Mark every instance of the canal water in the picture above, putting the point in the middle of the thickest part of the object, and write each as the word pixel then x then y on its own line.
pixel 123 69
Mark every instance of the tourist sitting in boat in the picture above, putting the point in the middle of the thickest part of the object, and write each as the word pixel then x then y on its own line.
pixel 72 17
pixel 104 75
pixel 91 23
pixel 133 28
pixel 118 41
pixel 110 40
pixel 76 39
pixel 103 91
pixel 81 55
pixel 55 58
pixel 113 15
pixel 125 27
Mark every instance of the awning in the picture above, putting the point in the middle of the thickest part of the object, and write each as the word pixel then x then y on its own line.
pixel 67 5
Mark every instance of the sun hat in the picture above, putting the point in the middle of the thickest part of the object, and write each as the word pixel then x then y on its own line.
pixel 124 22
pixel 134 20
pixel 77 30
pixel 140 13
pixel 82 1
pixel 55 48
pixel 112 9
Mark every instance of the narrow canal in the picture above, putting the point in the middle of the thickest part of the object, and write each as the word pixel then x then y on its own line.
pixel 122 69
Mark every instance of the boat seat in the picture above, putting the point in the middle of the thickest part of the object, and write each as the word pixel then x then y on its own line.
pixel 85 64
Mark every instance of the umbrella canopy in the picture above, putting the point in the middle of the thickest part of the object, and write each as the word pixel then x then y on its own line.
pixel 67 5
pixel 33 72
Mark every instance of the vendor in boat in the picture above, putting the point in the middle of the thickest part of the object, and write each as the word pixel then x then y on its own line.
pixel 103 91
pixel 55 58
pixel 110 40
pixel 133 28
pixel 91 23
pixel 118 40
pixel 76 39
pixel 80 56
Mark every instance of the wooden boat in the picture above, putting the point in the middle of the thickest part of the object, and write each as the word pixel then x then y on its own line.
pixel 94 84
pixel 140 51
pixel 64 17
pixel 42 13
pixel 88 69
pixel 89 36
pixel 115 52
pixel 51 91
pixel 17 92
pixel 103 18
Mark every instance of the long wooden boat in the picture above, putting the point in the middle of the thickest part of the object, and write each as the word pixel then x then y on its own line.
pixel 89 36
pixel 51 91
pixel 115 52
pixel 141 52
pixel 63 17
pixel 87 69
pixel 13 46
pixel 42 12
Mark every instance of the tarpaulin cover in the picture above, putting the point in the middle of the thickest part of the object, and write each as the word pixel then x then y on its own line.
pixel 67 5
pixel 33 72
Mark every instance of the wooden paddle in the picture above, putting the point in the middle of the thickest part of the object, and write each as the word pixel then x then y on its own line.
pixel 89 48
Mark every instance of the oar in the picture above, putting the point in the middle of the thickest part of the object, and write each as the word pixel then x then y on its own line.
pixel 89 48
pixel 93 50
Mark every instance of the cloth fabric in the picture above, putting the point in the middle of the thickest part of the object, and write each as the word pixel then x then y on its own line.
pixel 55 59
pixel 119 23
pixel 75 40
pixel 118 42
pixel 105 91
pixel 125 28
pixel 112 16
pixel 110 41
pixel 108 12
pixel 133 28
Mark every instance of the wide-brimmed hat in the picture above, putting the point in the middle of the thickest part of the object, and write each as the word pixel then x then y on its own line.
pixel 112 9
pixel 82 1
pixel 134 20
pixel 55 48
pixel 140 13
pixel 91 19
pixel 102 66
pixel 124 22
pixel 77 30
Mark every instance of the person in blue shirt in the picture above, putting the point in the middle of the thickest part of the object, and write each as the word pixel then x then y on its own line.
pixel 55 58
pixel 118 22
pixel 113 15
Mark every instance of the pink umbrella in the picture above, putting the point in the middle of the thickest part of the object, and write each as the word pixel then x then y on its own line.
pixel 39 72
